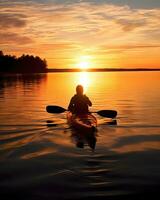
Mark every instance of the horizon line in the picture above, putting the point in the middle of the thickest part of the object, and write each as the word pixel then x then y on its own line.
pixel 100 69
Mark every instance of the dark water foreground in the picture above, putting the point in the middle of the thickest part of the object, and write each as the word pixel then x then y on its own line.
pixel 42 161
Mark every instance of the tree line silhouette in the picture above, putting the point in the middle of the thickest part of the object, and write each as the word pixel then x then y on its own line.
pixel 22 64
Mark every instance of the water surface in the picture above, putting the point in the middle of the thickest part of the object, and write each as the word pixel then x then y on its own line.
pixel 40 160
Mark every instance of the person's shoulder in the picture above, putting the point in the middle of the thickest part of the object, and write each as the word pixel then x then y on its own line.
pixel 85 96
pixel 74 96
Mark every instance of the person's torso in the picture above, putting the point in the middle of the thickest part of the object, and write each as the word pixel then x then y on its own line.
pixel 80 104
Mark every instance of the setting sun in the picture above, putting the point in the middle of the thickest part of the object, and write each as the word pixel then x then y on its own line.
pixel 83 65
pixel 84 62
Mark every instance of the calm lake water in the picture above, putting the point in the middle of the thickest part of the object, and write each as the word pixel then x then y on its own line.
pixel 40 160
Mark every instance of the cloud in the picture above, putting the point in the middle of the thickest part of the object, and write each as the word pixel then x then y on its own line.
pixel 112 49
pixel 14 39
pixel 10 20
pixel 80 17
pixel 138 4
pixel 59 49
pixel 130 25
pixel 135 46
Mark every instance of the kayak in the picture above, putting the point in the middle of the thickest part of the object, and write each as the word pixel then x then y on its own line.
pixel 84 122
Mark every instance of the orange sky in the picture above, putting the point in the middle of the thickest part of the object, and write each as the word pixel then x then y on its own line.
pixel 82 33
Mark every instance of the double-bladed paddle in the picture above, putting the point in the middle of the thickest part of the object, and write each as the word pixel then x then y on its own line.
pixel 103 113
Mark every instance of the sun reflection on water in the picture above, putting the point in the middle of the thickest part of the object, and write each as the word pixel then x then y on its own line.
pixel 84 79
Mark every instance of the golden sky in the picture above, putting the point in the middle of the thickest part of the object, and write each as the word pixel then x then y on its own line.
pixel 72 34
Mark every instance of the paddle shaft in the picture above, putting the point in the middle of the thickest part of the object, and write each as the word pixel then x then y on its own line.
pixel 103 113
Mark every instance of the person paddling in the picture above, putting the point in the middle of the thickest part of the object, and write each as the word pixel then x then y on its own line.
pixel 79 103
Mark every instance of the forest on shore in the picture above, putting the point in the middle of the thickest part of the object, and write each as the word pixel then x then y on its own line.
pixel 22 64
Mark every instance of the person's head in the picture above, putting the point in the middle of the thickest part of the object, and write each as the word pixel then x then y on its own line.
pixel 79 89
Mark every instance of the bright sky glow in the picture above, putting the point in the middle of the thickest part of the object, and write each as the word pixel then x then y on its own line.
pixel 113 33
pixel 84 62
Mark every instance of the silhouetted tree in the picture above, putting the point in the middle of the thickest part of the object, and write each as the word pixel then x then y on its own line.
pixel 1 53
pixel 22 64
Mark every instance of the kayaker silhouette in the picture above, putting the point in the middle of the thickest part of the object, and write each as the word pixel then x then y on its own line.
pixel 79 103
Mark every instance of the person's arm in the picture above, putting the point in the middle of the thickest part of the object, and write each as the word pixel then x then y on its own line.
pixel 88 101
pixel 70 106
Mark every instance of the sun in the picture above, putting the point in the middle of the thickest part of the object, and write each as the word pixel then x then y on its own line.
pixel 84 62
pixel 83 65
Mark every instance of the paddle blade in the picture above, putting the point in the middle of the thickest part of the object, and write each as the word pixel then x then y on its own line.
pixel 107 113
pixel 55 109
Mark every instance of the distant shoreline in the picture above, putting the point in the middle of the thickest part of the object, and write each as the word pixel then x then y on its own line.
pixel 62 70
pixel 102 70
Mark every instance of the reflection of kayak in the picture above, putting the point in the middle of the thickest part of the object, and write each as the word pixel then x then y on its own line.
pixel 81 140
pixel 85 123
